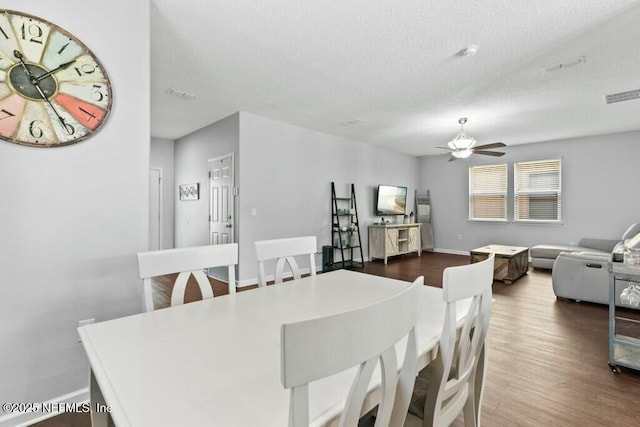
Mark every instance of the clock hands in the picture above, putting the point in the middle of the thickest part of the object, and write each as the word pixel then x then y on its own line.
pixel 34 81
pixel 18 55
pixel 48 73
pixel 67 127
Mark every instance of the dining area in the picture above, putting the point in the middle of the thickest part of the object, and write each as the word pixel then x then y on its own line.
pixel 340 347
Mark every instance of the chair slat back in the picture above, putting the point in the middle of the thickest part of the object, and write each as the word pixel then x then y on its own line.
pixel 186 262
pixel 460 353
pixel 317 348
pixel 284 251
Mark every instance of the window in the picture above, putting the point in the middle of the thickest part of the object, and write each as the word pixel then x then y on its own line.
pixel 488 193
pixel 537 191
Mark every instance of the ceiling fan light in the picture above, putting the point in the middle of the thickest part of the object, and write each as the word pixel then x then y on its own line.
pixel 462 142
pixel 461 154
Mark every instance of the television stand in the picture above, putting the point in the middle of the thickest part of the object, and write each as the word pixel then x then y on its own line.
pixel 393 239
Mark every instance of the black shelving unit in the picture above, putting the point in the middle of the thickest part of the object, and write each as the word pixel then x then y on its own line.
pixel 344 214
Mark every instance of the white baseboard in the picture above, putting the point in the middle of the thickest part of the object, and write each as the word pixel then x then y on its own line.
pixel 20 419
pixel 254 280
pixel 247 282
pixel 218 278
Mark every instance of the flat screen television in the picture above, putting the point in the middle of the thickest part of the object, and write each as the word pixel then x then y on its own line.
pixel 391 200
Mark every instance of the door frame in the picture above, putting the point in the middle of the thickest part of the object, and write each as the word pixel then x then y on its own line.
pixel 232 203
pixel 160 206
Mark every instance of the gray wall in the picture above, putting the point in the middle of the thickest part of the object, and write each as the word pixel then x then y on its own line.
pixel 192 155
pixel 599 199
pixel 162 158
pixel 73 217
pixel 286 177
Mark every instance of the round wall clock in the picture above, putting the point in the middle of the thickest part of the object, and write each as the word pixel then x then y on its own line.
pixel 53 89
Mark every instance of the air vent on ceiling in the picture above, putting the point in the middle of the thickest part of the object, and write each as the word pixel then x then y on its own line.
pixel 564 64
pixel 351 122
pixel 623 96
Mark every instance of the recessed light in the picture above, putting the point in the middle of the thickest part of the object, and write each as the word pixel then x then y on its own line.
pixel 470 50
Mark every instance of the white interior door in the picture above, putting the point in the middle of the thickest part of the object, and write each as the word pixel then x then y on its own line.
pixel 155 209
pixel 221 218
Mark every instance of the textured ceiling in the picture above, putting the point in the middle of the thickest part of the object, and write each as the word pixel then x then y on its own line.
pixel 390 72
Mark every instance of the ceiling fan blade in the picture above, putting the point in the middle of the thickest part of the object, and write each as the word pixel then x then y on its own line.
pixel 444 148
pixel 488 153
pixel 493 145
pixel 452 158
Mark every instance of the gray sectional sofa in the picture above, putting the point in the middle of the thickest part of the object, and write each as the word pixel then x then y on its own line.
pixel 543 256
pixel 581 272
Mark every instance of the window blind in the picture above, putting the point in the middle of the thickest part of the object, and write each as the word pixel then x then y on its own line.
pixel 538 191
pixel 488 193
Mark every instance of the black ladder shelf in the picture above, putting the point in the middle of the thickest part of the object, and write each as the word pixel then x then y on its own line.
pixel 345 228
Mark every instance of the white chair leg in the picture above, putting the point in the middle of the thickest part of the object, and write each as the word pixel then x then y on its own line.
pixel 469 410
pixel 437 368
pixel 481 373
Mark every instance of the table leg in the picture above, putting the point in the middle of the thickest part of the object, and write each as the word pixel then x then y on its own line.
pixel 99 418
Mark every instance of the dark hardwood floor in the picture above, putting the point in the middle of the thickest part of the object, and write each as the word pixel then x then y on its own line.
pixel 547 358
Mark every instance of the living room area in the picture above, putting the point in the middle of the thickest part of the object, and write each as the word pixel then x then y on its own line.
pixel 548 357
pixel 280 198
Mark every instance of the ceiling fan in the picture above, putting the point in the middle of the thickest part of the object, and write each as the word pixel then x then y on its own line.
pixel 462 146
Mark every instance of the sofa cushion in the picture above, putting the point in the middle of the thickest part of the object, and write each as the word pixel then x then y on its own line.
pixel 543 256
pixel 550 251
pixel 585 245
pixel 601 245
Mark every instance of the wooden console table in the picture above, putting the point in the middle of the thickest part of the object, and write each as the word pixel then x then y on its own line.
pixel 394 239
pixel 511 262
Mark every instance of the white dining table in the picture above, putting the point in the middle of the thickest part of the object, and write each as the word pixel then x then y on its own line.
pixel 216 362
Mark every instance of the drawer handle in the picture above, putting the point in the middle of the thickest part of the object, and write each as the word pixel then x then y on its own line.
pixel 592 265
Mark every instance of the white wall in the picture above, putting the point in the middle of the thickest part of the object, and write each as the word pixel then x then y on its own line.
pixel 599 199
pixel 192 155
pixel 162 158
pixel 286 177
pixel 73 217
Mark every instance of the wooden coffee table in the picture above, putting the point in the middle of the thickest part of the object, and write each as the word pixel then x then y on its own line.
pixel 511 262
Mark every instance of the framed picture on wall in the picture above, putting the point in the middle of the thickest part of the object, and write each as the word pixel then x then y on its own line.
pixel 190 191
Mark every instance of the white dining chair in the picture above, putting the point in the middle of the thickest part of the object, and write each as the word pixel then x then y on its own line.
pixel 317 348
pixel 453 382
pixel 186 262
pixel 284 251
